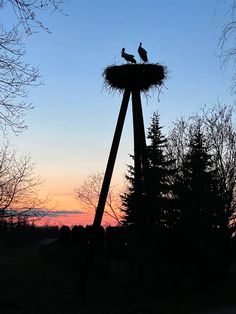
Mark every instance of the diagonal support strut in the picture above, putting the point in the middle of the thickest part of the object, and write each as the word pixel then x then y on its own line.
pixel 111 160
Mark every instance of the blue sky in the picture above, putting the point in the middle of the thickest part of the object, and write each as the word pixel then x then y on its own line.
pixel 71 128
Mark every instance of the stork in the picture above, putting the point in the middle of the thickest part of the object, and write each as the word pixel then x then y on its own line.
pixel 127 57
pixel 143 53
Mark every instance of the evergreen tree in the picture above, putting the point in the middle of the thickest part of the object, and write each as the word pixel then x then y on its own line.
pixel 127 199
pixel 158 188
pixel 219 141
pixel 198 188
pixel 160 178
pixel 203 233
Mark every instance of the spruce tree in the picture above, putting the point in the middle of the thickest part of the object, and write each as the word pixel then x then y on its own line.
pixel 203 237
pixel 161 171
pixel 198 188
pixel 127 198
pixel 158 188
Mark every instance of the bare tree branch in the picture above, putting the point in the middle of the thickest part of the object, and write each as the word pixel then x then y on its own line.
pixel 27 12
pixel 18 185
pixel 17 76
pixel 227 44
pixel 88 194
pixel 220 132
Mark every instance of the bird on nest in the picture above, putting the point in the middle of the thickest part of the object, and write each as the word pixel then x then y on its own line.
pixel 143 53
pixel 127 57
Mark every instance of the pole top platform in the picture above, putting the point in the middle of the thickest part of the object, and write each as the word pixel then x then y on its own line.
pixel 140 77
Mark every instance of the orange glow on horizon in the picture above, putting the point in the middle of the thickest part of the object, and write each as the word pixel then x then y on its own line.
pixel 60 191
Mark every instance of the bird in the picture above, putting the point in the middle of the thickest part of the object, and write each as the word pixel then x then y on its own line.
pixel 143 53
pixel 127 57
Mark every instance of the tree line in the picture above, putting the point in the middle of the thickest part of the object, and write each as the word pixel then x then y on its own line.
pixel 187 204
pixel 188 199
pixel 192 173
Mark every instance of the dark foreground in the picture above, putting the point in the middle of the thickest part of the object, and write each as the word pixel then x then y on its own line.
pixel 43 277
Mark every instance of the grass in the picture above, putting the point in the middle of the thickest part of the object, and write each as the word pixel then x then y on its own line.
pixel 32 284
pixel 44 279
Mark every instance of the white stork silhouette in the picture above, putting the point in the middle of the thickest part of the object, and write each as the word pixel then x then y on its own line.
pixel 143 53
pixel 127 57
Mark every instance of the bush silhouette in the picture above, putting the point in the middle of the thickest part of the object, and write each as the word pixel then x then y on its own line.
pixel 65 233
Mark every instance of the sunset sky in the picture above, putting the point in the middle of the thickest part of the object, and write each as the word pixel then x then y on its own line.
pixel 71 127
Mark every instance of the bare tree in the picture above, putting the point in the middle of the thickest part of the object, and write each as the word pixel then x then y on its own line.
pixel 17 76
pixel 26 12
pixel 227 44
pixel 220 134
pixel 18 185
pixel 221 131
pixel 88 194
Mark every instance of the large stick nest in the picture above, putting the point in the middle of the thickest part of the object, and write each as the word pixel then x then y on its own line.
pixel 135 76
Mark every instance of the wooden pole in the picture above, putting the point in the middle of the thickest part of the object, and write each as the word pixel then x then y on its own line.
pixel 138 170
pixel 144 159
pixel 141 214
pixel 140 123
pixel 111 160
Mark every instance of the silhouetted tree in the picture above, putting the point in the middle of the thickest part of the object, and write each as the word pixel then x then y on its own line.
pixel 77 234
pixel 127 198
pixel 203 216
pixel 18 188
pixel 227 48
pixel 204 147
pixel 219 127
pixel 17 76
pixel 88 194
pixel 219 136
pixel 159 196
pixel 65 233
pixel 198 194
pixel 161 172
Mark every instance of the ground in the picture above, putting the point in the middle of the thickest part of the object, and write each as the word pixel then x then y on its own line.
pixel 43 278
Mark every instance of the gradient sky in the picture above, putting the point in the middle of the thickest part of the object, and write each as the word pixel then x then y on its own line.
pixel 71 128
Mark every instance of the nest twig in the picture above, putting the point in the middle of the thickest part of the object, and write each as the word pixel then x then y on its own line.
pixel 135 76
